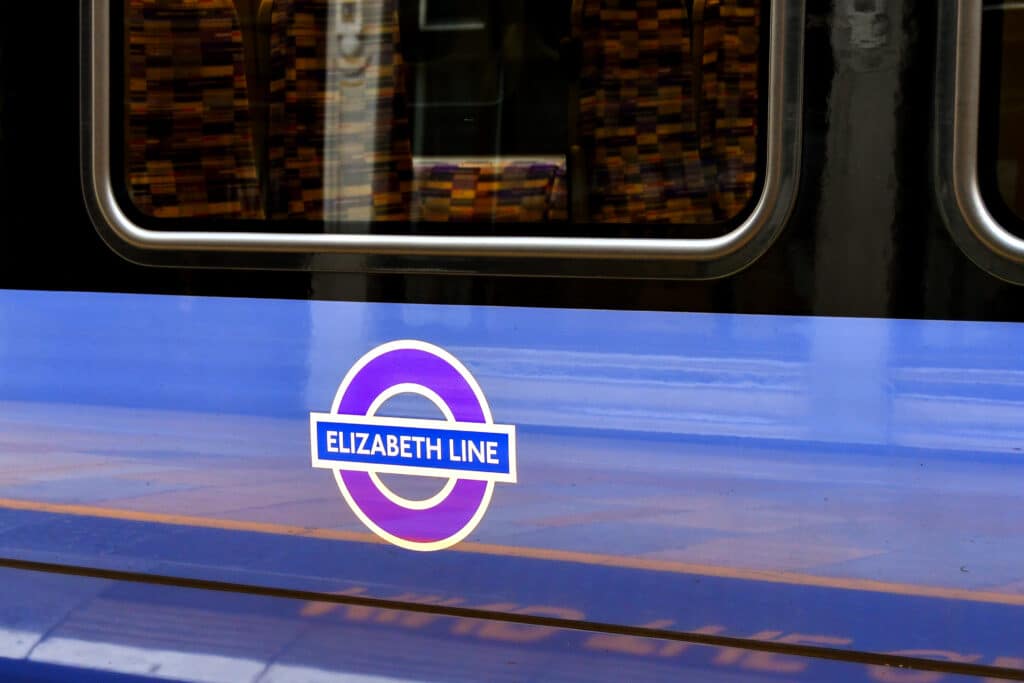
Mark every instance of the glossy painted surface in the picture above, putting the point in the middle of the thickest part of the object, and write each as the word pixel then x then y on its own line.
pixel 757 476
pixel 60 628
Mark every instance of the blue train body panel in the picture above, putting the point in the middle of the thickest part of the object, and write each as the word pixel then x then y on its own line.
pixel 95 630
pixel 843 483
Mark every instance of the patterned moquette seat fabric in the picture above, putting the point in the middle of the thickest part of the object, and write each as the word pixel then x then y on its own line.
pixel 339 146
pixel 499 191
pixel 189 134
pixel 732 36
pixel 637 113
pixel 668 133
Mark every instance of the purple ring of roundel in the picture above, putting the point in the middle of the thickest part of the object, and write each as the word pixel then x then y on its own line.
pixel 452 514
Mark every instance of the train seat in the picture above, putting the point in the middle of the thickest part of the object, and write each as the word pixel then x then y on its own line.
pixel 339 141
pixel 667 108
pixel 490 190
pixel 731 30
pixel 189 135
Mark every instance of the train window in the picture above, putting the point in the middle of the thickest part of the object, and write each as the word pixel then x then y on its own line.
pixel 981 145
pixel 474 127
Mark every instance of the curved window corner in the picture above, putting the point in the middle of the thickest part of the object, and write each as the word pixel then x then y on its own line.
pixel 980 124
pixel 499 137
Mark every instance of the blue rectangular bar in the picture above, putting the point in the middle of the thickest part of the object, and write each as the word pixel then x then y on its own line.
pixel 415 447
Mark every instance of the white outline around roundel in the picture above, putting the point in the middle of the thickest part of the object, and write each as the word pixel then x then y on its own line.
pixel 415 345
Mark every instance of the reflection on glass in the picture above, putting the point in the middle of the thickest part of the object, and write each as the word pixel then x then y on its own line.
pixel 340 148
pixel 350 112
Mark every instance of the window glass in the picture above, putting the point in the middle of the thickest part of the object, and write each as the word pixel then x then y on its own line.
pixel 577 117
pixel 1001 158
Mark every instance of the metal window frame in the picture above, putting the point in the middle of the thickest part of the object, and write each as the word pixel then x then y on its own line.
pixel 958 101
pixel 527 255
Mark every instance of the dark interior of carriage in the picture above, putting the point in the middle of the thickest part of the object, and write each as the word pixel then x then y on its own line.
pixel 1010 143
pixel 1001 138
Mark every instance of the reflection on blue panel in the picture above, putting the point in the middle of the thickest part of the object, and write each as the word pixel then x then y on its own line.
pixel 144 351
pixel 917 383
pixel 765 475
pixel 96 630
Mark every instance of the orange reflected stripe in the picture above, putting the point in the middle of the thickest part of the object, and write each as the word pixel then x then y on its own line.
pixel 617 561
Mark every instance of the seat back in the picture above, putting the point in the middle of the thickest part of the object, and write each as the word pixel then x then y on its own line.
pixel 637 116
pixel 499 191
pixel 732 36
pixel 189 135
pixel 339 146
pixel 668 113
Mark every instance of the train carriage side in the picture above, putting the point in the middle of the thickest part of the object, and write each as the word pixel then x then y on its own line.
pixel 568 340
